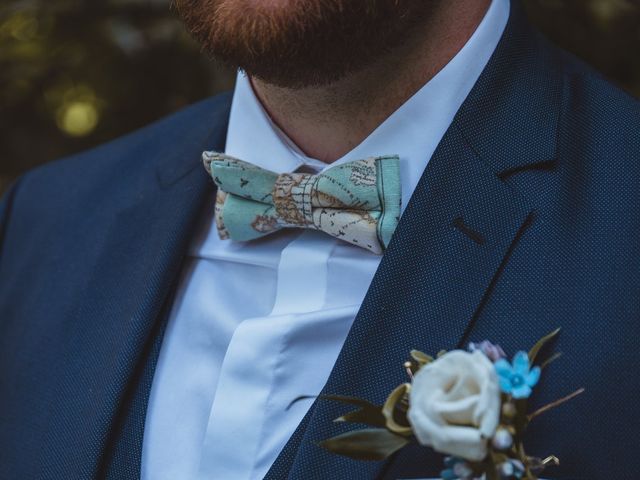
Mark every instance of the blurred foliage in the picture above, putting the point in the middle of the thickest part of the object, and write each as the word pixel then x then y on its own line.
pixel 75 73
pixel 604 33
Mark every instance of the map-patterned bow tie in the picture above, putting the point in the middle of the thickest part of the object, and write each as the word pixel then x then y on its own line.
pixel 358 201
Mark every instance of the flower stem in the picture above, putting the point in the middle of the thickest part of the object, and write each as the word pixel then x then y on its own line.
pixel 551 405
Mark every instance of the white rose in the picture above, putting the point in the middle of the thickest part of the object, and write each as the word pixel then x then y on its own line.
pixel 454 404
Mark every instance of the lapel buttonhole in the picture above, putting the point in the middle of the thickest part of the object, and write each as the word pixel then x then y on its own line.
pixel 474 235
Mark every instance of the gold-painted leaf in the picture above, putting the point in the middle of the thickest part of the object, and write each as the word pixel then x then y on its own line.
pixel 371 444
pixel 421 357
pixel 389 409
pixel 533 353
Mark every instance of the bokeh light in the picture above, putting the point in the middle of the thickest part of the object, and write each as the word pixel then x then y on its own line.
pixel 78 118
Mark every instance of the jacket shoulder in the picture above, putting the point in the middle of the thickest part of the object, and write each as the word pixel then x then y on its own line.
pixel 134 151
pixel 595 107
pixel 599 141
pixel 72 194
pixel 122 167
pixel 592 195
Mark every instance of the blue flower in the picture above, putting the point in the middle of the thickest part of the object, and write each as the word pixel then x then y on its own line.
pixel 511 469
pixel 517 378
pixel 457 469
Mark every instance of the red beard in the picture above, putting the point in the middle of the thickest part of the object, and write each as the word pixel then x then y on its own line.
pixel 298 43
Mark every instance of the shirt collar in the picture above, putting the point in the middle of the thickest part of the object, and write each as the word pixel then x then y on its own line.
pixel 413 131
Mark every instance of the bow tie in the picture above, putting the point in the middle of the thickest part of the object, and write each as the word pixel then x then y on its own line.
pixel 358 201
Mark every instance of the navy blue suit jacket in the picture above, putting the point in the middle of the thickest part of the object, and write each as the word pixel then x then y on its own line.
pixel 542 162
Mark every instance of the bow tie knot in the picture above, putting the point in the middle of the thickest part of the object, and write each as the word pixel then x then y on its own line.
pixel 357 201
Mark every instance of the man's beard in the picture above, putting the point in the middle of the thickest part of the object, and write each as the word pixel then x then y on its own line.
pixel 300 43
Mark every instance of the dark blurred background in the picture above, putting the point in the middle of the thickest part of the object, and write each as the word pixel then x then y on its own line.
pixel 76 73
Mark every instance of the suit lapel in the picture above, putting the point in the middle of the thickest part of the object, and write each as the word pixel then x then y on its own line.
pixel 137 259
pixel 454 238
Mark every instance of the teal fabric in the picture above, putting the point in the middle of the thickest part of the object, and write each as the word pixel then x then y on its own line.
pixel 390 193
pixel 358 201
pixel 232 173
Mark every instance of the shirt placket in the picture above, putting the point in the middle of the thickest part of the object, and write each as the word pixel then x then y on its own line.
pixel 256 356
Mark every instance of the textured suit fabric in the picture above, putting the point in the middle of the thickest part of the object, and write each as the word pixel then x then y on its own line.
pixel 91 248
pixel 541 162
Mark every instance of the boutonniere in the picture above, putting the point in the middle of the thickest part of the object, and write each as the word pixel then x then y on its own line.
pixel 470 405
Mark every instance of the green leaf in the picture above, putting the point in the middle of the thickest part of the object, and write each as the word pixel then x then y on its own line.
pixel 533 353
pixel 551 359
pixel 490 466
pixel 492 474
pixel 358 402
pixel 371 444
pixel 368 415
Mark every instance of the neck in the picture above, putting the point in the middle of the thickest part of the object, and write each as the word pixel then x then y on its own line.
pixel 326 122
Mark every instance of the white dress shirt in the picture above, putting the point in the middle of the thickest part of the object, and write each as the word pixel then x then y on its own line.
pixel 256 324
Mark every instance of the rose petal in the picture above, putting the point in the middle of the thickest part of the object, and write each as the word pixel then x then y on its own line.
pixel 454 404
pixel 463 442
